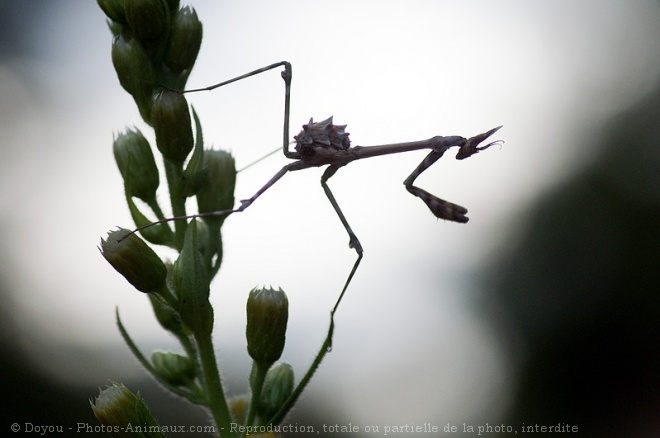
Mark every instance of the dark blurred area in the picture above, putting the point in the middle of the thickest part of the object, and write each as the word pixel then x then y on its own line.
pixel 16 19
pixel 578 297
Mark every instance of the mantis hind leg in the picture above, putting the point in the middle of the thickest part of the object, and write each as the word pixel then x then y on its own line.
pixel 354 242
pixel 286 75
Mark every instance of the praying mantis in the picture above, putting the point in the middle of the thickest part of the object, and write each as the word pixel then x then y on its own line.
pixel 325 144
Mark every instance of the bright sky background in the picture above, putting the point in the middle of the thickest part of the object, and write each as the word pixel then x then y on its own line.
pixel 393 71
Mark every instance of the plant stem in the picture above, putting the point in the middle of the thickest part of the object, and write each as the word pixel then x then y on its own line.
pixel 173 172
pixel 213 386
pixel 257 378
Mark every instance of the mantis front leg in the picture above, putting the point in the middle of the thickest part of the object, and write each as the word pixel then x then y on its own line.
pixel 439 207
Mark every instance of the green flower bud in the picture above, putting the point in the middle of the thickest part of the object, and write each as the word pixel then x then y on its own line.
pixel 277 388
pixel 176 369
pixel 167 317
pixel 136 164
pixel 267 316
pixel 123 413
pixel 135 260
pixel 185 40
pixel 132 64
pixel 135 72
pixel 190 280
pixel 114 10
pixel 171 121
pixel 217 191
pixel 149 19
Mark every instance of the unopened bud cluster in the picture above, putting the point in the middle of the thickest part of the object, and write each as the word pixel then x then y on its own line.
pixel 156 44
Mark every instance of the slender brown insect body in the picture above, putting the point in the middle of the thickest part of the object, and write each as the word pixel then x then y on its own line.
pixel 326 144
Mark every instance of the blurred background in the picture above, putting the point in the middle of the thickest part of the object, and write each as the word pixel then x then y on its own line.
pixel 542 310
